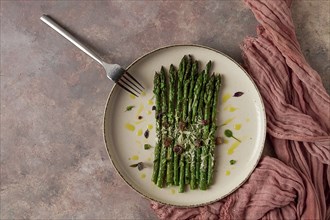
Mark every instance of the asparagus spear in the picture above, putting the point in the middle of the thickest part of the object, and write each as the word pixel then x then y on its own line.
pixel 181 76
pixel 188 68
pixel 201 106
pixel 164 128
pixel 186 145
pixel 197 90
pixel 213 130
pixel 171 121
pixel 194 77
pixel 182 177
pixel 194 114
pixel 208 67
pixel 187 82
pixel 184 160
pixel 157 94
pixel 201 116
pixel 192 121
pixel 178 116
pixel 190 166
pixel 208 96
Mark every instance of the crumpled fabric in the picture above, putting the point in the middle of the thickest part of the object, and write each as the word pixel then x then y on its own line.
pixel 296 184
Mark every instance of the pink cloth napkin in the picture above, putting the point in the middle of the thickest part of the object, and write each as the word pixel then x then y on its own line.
pixel 296 185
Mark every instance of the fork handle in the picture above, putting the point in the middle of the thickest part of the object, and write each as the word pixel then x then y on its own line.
pixel 49 21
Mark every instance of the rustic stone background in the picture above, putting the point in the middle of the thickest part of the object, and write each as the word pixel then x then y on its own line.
pixel 53 161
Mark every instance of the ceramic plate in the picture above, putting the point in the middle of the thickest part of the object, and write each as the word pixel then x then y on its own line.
pixel 244 116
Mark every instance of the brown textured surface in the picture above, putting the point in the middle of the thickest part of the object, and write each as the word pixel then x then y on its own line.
pixel 53 161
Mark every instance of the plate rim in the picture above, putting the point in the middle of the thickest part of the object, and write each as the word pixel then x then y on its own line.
pixel 262 141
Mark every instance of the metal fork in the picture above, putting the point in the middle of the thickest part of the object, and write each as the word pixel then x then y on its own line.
pixel 114 71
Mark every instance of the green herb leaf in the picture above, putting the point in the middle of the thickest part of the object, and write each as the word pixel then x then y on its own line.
pixel 232 162
pixel 147 146
pixel 129 108
pixel 229 133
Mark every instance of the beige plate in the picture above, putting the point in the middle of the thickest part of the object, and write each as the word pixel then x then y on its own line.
pixel 244 115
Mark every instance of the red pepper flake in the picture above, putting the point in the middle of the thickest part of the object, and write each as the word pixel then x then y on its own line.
pixel 159 115
pixel 146 133
pixel 238 94
pixel 218 140
pixel 198 143
pixel 167 142
pixel 178 149
pixel 138 165
pixel 182 125
pixel 205 122
pixel 165 124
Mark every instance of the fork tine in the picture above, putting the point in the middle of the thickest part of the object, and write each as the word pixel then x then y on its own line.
pixel 134 79
pixel 128 84
pixel 122 86
pixel 132 83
